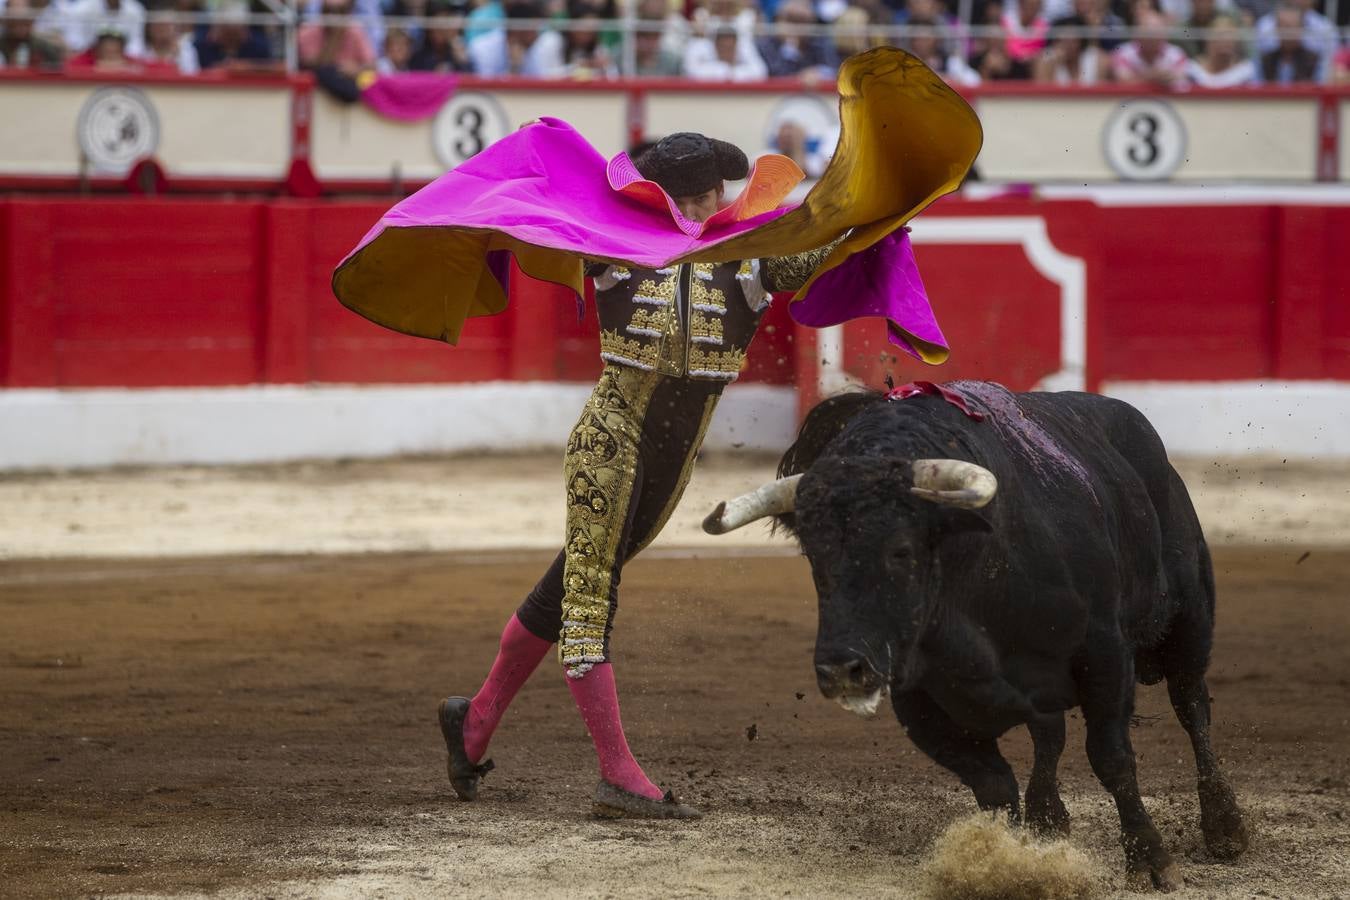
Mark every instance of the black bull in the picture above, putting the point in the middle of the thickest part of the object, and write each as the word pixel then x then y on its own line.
pixel 1085 572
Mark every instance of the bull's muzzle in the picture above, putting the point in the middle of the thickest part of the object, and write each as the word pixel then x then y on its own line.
pixel 854 683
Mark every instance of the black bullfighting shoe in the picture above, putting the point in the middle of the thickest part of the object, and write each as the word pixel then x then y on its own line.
pixel 615 803
pixel 464 773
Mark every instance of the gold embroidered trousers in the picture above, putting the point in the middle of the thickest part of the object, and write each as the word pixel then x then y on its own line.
pixel 628 461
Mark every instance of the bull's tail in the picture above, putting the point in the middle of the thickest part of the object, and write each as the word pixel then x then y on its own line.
pixel 1207 576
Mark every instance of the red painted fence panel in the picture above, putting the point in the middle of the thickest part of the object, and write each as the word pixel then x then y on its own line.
pixel 119 292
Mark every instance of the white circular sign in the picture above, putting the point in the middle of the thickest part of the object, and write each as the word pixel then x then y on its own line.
pixel 466 125
pixel 815 122
pixel 117 127
pixel 1144 140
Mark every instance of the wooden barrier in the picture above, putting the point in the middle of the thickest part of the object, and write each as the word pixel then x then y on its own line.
pixel 177 292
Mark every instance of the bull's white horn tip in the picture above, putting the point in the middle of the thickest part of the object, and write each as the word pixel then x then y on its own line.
pixel 713 523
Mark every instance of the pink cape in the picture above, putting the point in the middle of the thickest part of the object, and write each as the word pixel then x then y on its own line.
pixel 549 198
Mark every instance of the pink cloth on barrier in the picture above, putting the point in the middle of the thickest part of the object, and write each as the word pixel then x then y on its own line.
pixel 409 96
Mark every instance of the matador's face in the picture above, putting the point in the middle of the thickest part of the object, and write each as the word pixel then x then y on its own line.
pixel 699 207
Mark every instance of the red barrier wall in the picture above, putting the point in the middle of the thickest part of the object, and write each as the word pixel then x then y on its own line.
pixel 1175 293
pixel 171 292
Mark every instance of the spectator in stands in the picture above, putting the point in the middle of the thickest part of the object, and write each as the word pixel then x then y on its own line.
pixel 654 57
pixel 1072 59
pixel 1183 12
pixel 854 32
pixel 369 12
pixel 989 55
pixel 20 45
pixel 1150 58
pixel 168 45
pixel 409 8
pixel 709 16
pixel 829 11
pixel 1025 31
pixel 108 53
pixel 1319 35
pixel 487 16
pixel 397 52
pixel 928 41
pixel 586 51
pixel 728 55
pixel 1293 60
pixel 1097 14
pixel 1202 15
pixel 230 42
pixel 955 31
pixel 1252 10
pixel 444 47
pixel 515 49
pixel 77 23
pixel 341 48
pixel 1340 67
pixel 1221 63
pixel 788 53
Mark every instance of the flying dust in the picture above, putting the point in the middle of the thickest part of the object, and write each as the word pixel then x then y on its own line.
pixel 982 857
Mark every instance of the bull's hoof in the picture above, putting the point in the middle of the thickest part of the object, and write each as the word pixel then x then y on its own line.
pixel 1221 821
pixel 1047 816
pixel 1227 845
pixel 1169 879
pixel 1164 880
pixel 1148 863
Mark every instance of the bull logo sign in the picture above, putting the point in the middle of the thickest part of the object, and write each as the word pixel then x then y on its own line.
pixel 805 128
pixel 116 128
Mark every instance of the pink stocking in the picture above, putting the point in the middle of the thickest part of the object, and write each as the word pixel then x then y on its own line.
pixel 598 700
pixel 519 655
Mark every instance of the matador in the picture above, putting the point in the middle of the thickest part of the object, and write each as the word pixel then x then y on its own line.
pixel 681 282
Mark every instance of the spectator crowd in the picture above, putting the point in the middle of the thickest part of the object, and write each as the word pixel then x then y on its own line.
pixel 1206 43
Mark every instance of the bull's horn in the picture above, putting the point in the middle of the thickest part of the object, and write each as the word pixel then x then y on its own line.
pixel 953 482
pixel 772 499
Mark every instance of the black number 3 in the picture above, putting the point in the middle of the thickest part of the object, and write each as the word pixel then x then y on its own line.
pixel 470 142
pixel 1144 153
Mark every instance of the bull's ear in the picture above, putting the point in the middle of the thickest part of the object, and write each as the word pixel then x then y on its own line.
pixel 963 521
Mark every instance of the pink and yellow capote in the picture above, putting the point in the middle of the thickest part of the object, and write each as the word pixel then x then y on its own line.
pixel 547 197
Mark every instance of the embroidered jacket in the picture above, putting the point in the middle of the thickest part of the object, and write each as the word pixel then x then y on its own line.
pixel 695 320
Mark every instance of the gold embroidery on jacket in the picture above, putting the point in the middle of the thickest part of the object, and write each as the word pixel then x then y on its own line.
pixel 614 347
pixel 658 290
pixel 722 364
pixel 706 299
pixel 651 322
pixel 790 273
pixel 704 330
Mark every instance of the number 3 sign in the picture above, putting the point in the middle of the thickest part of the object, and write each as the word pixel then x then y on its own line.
pixel 465 126
pixel 1144 140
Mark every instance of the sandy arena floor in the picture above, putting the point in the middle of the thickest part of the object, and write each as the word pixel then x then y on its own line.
pixel 511 502
pixel 264 725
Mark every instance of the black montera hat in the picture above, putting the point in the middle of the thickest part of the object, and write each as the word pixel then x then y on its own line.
pixel 687 164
